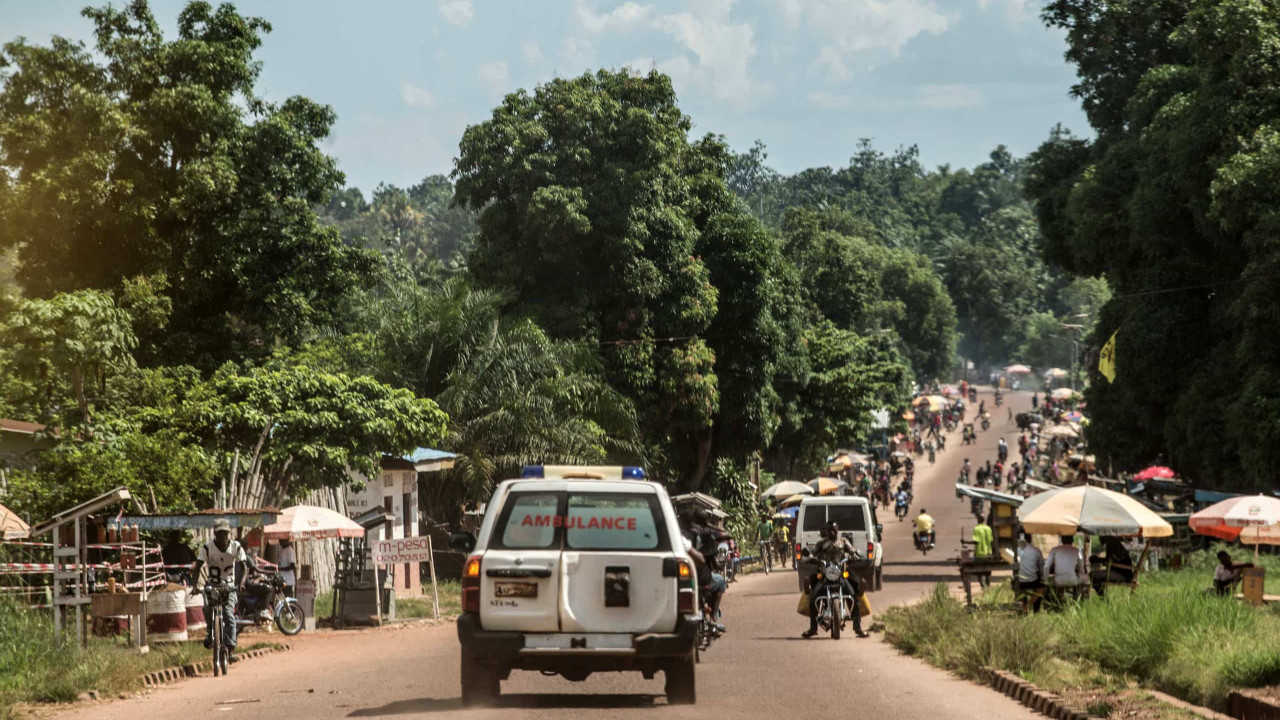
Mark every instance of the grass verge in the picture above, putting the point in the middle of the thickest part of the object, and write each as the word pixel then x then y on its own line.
pixel 36 667
pixel 1169 635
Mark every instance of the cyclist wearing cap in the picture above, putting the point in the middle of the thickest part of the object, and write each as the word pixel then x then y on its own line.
pixel 221 555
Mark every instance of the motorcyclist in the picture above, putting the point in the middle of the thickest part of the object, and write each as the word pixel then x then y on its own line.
pixel 703 539
pixel 924 526
pixel 933 452
pixel 1002 450
pixel 222 555
pixel 833 548
pixel 965 470
pixel 982 408
pixel 901 501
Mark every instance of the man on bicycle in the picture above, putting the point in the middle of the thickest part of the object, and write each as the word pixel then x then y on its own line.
pixel 221 555
pixel 764 539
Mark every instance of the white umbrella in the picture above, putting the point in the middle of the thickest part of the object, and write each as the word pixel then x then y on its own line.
pixel 1090 510
pixel 1251 519
pixel 308 522
pixel 1062 393
pixel 786 489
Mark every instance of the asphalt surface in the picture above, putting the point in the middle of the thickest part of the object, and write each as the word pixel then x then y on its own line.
pixel 761 668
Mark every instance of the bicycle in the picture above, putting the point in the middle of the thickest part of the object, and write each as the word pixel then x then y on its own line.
pixel 766 556
pixel 215 598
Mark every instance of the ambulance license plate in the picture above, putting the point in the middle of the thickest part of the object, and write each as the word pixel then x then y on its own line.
pixel 515 590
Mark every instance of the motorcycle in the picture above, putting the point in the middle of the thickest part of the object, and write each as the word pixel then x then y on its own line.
pixel 999 399
pixel 986 421
pixel 287 612
pixel 900 509
pixel 969 436
pixel 922 542
pixel 835 601
pixel 724 559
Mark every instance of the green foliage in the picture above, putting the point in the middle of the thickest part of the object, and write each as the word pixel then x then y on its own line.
pixel 1171 635
pixel 77 338
pixel 146 156
pixel 1177 191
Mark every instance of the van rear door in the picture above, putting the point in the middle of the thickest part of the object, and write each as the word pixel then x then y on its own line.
pixel 520 570
pixel 611 578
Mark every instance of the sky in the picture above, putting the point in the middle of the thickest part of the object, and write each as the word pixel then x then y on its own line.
pixel 809 78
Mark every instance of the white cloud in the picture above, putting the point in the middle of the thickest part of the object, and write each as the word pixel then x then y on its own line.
pixel 532 52
pixel 722 47
pixel 829 101
pixel 1014 8
pixel 416 97
pixel 626 15
pixel 458 12
pixel 577 53
pixel 948 97
pixel 496 75
pixel 854 32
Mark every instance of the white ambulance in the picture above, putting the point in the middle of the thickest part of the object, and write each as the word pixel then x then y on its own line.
pixel 577 570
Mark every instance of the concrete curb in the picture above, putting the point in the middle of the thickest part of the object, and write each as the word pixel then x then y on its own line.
pixel 1244 705
pixel 1203 712
pixel 1042 701
pixel 174 674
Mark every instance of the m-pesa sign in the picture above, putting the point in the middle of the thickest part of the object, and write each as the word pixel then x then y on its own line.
pixel 402 550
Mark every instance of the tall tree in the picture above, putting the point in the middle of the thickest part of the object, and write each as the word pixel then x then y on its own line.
pixel 147 156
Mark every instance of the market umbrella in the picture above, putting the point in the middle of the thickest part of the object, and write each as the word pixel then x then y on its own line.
pixel 786 489
pixel 826 485
pixel 950 390
pixel 1090 510
pixel 1062 431
pixel 786 513
pixel 1251 519
pixel 308 522
pixel 1073 416
pixel 1055 373
pixel 11 526
pixel 792 501
pixel 1155 472
pixel 908 415
pixel 1018 370
pixel 935 402
pixel 1062 393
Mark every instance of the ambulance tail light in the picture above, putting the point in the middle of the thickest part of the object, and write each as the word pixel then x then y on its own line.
pixel 471 585
pixel 687 594
pixel 871 550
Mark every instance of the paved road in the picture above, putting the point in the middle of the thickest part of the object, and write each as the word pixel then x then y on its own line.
pixel 760 668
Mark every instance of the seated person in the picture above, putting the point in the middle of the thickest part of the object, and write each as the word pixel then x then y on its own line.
pixel 1227 574
pixel 1065 566
pixel 1116 566
pixel 1030 570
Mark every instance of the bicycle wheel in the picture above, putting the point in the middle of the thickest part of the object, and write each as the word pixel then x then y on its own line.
pixel 215 632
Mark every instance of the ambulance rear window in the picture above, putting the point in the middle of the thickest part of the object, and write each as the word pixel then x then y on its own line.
pixel 613 521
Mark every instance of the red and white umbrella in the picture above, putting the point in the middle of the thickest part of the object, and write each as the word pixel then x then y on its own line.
pixel 1154 472
pixel 1251 519
pixel 1018 370
pixel 308 522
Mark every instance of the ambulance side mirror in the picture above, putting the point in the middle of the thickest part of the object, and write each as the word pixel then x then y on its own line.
pixel 462 541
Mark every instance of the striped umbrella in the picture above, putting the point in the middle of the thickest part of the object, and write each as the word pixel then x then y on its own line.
pixel 1090 510
pixel 1251 519
pixel 793 501
pixel 11 526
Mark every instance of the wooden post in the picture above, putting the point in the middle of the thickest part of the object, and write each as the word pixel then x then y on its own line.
pixel 435 594
pixel 377 592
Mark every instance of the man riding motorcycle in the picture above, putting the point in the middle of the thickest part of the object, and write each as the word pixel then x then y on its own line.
pixel 1002 450
pixel 924 526
pixel 901 502
pixel 833 548
pixel 703 539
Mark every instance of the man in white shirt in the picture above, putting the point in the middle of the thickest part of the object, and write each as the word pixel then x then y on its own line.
pixel 1030 569
pixel 1065 565
pixel 288 564
pixel 220 555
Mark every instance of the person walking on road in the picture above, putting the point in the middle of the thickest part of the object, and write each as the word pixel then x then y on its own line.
pixel 782 536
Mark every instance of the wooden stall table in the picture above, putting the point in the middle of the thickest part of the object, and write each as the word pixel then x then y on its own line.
pixel 133 605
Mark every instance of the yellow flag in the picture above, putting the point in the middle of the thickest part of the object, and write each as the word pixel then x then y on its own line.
pixel 1107 359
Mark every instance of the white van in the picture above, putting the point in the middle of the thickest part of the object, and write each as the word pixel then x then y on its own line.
pixel 856 518
pixel 577 571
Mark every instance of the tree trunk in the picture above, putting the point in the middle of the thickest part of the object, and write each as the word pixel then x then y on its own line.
pixel 82 402
pixel 703 461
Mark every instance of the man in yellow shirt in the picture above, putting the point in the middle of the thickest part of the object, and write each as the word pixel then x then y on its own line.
pixel 924 526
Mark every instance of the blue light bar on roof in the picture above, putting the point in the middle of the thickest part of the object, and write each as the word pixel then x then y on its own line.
pixel 622 473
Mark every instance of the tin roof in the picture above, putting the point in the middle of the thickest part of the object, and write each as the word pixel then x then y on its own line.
pixel 18 426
